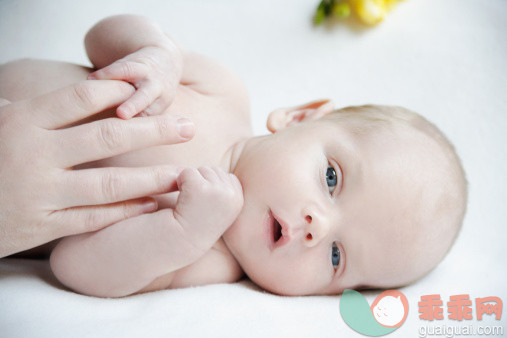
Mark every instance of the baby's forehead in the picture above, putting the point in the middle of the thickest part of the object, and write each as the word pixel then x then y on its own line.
pixel 364 125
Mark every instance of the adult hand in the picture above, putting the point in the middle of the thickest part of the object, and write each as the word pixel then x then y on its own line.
pixel 41 198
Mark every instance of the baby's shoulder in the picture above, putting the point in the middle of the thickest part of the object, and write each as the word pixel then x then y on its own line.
pixel 209 77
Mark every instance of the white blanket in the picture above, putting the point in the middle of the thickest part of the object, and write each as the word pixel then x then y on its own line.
pixel 444 59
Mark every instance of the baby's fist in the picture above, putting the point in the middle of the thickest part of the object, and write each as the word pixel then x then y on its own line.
pixel 209 201
pixel 154 71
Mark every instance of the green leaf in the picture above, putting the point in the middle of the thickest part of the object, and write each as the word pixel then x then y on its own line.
pixel 341 10
pixel 318 18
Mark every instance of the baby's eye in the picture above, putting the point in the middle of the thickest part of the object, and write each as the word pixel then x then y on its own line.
pixel 331 179
pixel 335 256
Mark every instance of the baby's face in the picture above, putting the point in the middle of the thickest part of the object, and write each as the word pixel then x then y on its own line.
pixel 323 211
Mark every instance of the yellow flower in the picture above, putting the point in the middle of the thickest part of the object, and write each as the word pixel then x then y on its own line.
pixel 390 3
pixel 370 12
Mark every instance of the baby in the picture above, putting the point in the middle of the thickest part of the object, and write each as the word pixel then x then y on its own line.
pixel 359 197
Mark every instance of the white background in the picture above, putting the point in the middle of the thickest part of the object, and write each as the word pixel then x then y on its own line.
pixel 442 58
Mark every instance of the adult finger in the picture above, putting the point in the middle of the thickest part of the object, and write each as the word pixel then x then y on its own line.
pixel 92 218
pixel 111 185
pixel 70 104
pixel 112 136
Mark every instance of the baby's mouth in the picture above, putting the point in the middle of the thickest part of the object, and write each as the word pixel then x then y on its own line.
pixel 278 232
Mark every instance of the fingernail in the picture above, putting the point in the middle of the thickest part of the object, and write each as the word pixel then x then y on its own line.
pixel 149 206
pixel 124 111
pixel 185 127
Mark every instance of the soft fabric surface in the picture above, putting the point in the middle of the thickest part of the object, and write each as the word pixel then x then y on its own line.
pixel 442 58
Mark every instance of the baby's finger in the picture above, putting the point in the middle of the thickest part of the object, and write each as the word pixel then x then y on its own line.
pixel 156 108
pixel 189 177
pixel 4 102
pixel 221 174
pixel 232 180
pixel 141 99
pixel 92 218
pixel 208 173
pixel 163 102
pixel 126 71
pixel 235 181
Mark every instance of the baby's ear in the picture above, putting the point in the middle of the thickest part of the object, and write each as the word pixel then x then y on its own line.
pixel 285 117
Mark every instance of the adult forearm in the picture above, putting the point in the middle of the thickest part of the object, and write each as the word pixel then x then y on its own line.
pixel 115 37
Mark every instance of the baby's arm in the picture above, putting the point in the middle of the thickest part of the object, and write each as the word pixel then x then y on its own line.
pixel 127 256
pixel 136 50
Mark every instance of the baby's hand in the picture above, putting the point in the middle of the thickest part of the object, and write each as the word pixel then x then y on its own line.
pixel 209 202
pixel 153 72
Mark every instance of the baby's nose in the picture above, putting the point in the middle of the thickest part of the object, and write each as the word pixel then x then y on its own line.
pixel 315 229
